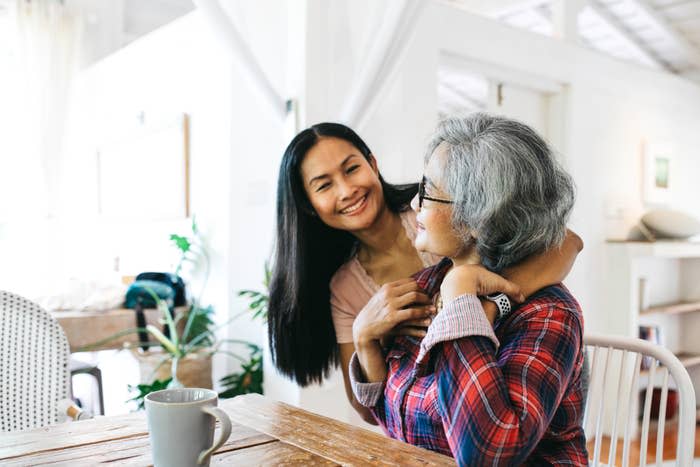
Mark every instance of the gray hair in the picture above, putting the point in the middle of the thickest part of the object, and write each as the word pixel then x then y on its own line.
pixel 506 186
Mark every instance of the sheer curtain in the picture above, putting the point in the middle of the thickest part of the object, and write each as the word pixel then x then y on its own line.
pixel 49 34
pixel 39 55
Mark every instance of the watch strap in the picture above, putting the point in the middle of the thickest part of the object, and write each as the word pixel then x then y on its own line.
pixel 502 302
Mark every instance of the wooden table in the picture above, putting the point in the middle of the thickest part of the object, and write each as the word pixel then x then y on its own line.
pixel 264 432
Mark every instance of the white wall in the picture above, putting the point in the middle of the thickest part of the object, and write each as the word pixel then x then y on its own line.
pixel 160 77
pixel 257 142
pixel 176 69
pixel 236 141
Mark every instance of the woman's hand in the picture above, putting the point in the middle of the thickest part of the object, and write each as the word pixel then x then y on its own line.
pixel 412 327
pixel 473 279
pixel 397 308
pixel 396 303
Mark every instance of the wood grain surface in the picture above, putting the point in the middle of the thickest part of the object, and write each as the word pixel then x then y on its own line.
pixel 342 443
pixel 264 432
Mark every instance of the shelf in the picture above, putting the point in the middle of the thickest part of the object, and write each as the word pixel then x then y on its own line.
pixel 672 308
pixel 659 249
pixel 688 359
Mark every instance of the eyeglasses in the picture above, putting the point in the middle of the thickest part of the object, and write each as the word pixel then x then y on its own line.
pixel 421 195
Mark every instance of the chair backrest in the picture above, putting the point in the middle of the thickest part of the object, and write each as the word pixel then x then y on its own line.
pixel 620 368
pixel 34 374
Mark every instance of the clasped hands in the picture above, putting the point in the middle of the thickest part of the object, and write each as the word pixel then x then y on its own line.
pixel 402 308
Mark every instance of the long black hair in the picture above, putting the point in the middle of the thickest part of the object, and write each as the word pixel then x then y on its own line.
pixel 307 254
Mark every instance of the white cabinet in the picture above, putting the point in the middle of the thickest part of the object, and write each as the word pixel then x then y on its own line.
pixel 655 284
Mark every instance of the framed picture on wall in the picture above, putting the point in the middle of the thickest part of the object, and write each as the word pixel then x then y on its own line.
pixel 144 175
pixel 658 175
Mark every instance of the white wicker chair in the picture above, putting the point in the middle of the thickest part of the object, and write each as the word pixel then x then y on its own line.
pixel 34 357
pixel 614 393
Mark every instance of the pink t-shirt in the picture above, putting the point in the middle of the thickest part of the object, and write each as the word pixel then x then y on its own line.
pixel 351 286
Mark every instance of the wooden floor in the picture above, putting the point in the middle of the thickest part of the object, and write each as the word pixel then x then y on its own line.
pixel 669 452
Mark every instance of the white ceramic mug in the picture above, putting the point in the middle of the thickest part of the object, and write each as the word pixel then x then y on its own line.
pixel 181 426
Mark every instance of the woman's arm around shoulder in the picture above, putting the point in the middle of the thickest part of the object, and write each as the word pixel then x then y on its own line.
pixel 548 268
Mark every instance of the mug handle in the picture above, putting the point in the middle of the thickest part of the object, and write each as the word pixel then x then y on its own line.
pixel 225 421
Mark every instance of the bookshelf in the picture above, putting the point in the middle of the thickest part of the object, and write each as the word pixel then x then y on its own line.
pixel 657 284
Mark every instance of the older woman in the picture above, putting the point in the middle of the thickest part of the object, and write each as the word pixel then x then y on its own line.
pixel 501 388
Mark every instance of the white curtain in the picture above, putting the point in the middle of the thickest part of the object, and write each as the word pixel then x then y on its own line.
pixel 49 34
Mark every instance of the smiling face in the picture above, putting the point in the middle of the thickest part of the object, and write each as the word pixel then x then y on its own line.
pixel 434 233
pixel 342 186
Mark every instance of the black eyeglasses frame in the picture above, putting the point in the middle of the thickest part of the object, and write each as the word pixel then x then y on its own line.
pixel 421 195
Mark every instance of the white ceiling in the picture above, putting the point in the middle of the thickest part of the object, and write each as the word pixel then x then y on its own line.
pixel 661 34
pixel 142 17
pixel 112 24
pixel 109 24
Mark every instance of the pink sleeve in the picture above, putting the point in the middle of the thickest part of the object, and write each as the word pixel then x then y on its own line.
pixel 348 296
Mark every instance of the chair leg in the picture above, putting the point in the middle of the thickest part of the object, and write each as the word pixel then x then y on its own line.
pixel 97 374
pixel 78 367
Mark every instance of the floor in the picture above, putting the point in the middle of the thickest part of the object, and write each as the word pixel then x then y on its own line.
pixel 669 452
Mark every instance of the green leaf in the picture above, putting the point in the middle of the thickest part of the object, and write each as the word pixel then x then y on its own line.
pixel 182 243
pixel 259 301
pixel 164 341
pixel 268 276
pixel 199 322
pixel 248 380
pixel 143 390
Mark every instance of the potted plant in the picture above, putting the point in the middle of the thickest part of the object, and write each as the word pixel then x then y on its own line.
pixel 185 355
pixel 186 359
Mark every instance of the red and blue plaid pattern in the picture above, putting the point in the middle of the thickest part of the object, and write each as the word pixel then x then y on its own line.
pixel 520 404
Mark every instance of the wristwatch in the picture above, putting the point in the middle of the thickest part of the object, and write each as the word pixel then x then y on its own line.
pixel 502 302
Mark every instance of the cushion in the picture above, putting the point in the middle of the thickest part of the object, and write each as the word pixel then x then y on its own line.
pixel 671 224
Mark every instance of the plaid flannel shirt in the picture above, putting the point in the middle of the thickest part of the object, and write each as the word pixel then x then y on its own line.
pixel 511 394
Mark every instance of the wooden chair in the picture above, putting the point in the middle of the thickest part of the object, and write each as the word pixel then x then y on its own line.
pixel 616 378
pixel 34 353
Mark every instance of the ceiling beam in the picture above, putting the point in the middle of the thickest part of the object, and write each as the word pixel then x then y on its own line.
pixel 625 36
pixel 496 8
pixel 565 18
pixel 692 52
